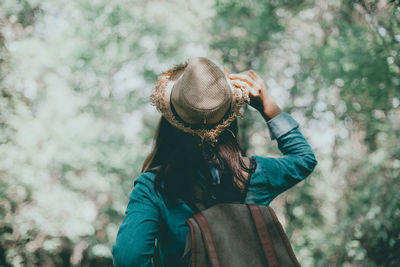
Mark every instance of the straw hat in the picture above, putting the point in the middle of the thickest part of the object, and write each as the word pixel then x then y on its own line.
pixel 198 98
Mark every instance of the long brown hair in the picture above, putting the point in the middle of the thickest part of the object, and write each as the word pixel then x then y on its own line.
pixel 181 157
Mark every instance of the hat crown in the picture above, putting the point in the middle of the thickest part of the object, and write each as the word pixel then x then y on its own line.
pixel 202 94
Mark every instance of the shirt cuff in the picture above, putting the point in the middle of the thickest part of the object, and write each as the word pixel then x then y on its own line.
pixel 281 124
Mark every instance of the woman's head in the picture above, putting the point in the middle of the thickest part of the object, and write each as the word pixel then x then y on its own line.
pixel 198 128
pixel 201 95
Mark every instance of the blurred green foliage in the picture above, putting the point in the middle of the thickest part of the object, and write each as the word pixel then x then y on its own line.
pixel 76 123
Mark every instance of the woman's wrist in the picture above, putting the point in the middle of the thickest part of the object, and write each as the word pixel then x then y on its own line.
pixel 270 110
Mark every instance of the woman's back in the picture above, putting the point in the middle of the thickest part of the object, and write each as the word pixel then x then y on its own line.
pixel 199 159
pixel 149 216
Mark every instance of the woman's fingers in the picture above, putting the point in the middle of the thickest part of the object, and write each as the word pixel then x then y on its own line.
pixel 243 75
pixel 253 91
pixel 244 78
pixel 253 75
pixel 239 83
pixel 253 85
pixel 251 80
pixel 258 92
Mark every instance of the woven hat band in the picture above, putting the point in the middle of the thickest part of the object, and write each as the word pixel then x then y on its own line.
pixel 199 126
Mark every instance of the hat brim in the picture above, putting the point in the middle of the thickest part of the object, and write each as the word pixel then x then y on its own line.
pixel 161 97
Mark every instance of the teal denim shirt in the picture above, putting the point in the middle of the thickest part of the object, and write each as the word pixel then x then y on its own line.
pixel 149 216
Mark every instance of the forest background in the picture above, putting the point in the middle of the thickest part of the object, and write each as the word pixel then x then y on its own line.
pixel 76 122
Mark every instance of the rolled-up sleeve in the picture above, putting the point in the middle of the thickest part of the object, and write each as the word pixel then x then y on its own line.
pixel 275 175
pixel 281 124
pixel 134 244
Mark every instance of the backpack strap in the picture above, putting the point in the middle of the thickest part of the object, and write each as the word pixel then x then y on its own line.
pixel 263 234
pixel 208 239
pixel 284 237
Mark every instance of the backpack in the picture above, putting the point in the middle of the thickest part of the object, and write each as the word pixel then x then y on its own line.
pixel 235 235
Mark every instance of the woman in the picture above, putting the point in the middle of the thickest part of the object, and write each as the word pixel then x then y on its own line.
pixel 197 161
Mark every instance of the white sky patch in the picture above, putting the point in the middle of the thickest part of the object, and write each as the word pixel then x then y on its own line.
pixel 382 31
pixel 395 102
pixel 128 78
pixel 132 125
pixel 321 133
pixel 196 50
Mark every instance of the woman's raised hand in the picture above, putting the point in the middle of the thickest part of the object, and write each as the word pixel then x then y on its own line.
pixel 258 93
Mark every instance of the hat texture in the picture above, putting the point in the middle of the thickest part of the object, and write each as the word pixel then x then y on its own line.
pixel 200 94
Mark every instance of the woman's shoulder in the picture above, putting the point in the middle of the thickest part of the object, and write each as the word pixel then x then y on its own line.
pixel 146 178
pixel 260 161
pixel 143 186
